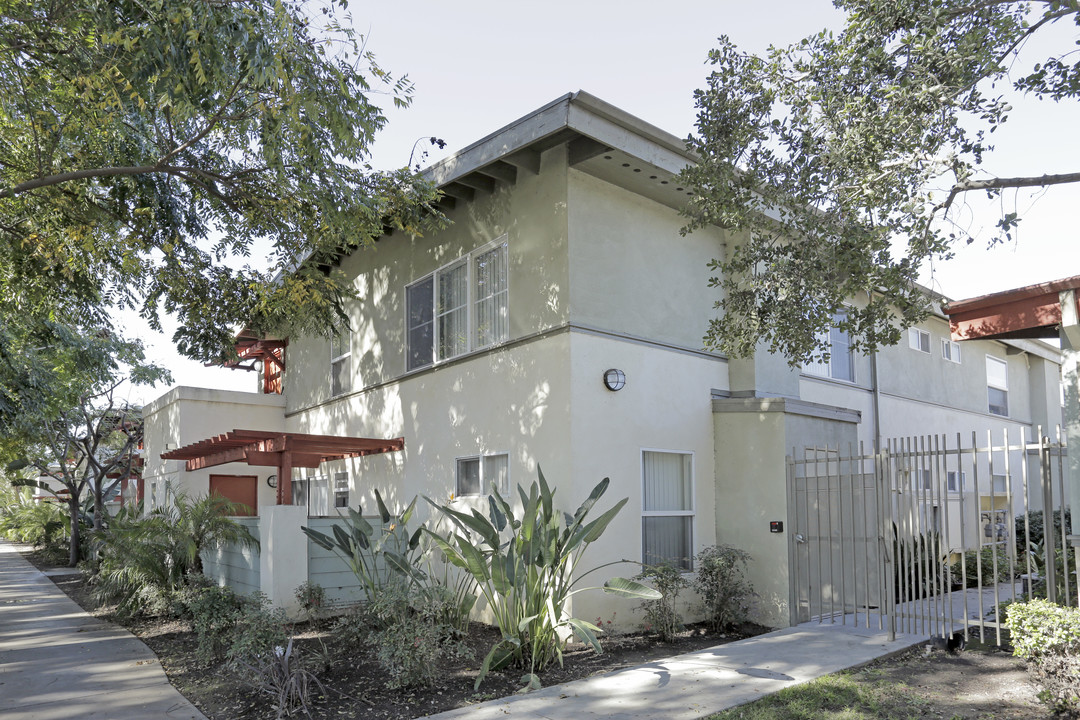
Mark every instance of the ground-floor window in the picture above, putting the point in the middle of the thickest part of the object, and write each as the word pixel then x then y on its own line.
pixel 667 508
pixel 480 474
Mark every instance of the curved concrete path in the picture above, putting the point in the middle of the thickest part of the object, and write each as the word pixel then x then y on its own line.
pixel 57 662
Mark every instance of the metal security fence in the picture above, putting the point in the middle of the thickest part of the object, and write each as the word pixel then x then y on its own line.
pixel 928 534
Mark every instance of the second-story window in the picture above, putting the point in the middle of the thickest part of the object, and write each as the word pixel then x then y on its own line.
pixel 919 340
pixel 997 386
pixel 462 306
pixel 841 363
pixel 340 367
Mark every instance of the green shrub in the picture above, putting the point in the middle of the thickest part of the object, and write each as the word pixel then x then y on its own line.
pixel 721 582
pixel 976 560
pixel 41 524
pixel 1048 636
pixel 258 629
pixel 1035 522
pixel 312 600
pixel 661 614
pixel 528 576
pixel 214 613
pixel 411 635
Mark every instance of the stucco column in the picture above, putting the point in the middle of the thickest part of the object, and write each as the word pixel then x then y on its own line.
pixel 283 554
pixel 1070 376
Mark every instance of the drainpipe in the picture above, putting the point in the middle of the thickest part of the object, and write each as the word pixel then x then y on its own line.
pixel 877 400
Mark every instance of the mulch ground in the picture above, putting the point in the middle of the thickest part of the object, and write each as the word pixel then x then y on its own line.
pixel 356 685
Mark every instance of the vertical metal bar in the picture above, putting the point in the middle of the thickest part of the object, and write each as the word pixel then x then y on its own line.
pixel 963 528
pixel 829 534
pixel 1025 444
pixel 819 533
pixel 912 571
pixel 883 475
pixel 978 533
pixel 1010 527
pixel 941 446
pixel 866 531
pixel 840 517
pixel 793 546
pixel 1047 486
pixel 806 541
pixel 1064 529
pixel 993 528
pixel 854 538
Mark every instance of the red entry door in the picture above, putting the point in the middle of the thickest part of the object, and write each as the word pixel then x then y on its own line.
pixel 240 489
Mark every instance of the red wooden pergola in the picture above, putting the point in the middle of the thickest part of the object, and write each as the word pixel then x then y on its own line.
pixel 282 450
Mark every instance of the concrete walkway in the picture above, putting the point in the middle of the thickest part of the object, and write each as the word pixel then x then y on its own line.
pixel 58 662
pixel 692 686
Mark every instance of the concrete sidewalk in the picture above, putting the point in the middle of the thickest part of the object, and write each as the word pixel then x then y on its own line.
pixel 58 662
pixel 695 685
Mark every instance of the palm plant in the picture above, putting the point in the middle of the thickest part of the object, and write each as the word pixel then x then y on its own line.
pixel 204 523
pixel 153 554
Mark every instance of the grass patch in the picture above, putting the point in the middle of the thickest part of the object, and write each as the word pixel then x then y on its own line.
pixel 844 696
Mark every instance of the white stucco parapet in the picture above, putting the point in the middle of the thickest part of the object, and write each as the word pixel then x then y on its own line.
pixel 197 394
pixel 790 406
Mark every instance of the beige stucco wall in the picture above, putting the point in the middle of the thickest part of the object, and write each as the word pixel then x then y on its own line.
pixel 664 406
pixel 532 214
pixel 186 415
pixel 631 272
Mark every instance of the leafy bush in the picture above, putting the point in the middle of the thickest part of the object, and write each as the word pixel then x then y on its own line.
pixel 1048 636
pixel 143 560
pixel 283 677
pixel 661 615
pixel 41 524
pixel 214 613
pixel 312 600
pixel 258 629
pixel 721 582
pixel 528 577
pixel 1036 520
pixel 412 634
pixel 983 560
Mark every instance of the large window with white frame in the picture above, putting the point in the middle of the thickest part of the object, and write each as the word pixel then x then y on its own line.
pixel 667 508
pixel 997 386
pixel 919 339
pixel 840 364
pixel 462 306
pixel 480 474
pixel 340 365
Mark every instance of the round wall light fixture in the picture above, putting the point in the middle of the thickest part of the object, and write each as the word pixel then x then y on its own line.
pixel 614 379
pixel 272 481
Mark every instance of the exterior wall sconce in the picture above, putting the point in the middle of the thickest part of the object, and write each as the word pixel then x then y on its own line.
pixel 614 379
pixel 272 481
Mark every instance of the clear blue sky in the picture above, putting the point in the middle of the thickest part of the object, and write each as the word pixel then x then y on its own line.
pixel 478 65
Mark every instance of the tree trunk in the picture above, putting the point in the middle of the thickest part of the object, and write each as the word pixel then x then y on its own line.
pixel 73 546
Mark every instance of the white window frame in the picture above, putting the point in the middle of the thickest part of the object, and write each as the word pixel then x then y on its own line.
pixel 484 483
pixel 919 339
pixel 340 486
pixel 691 513
pixel 950 481
pixel 1001 387
pixel 825 368
pixel 950 350
pixel 345 342
pixel 472 343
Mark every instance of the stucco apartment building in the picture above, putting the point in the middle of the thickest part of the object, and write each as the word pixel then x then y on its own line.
pixel 487 349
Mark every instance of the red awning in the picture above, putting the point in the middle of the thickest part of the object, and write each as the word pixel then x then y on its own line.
pixel 278 449
pixel 1028 312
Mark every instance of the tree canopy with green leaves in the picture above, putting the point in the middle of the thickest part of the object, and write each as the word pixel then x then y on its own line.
pixel 149 147
pixel 841 159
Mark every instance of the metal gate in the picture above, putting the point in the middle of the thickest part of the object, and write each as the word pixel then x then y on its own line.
pixel 928 535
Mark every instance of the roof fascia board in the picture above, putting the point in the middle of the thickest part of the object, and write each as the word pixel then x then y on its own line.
pixel 594 106
pixel 506 140
pixel 617 135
